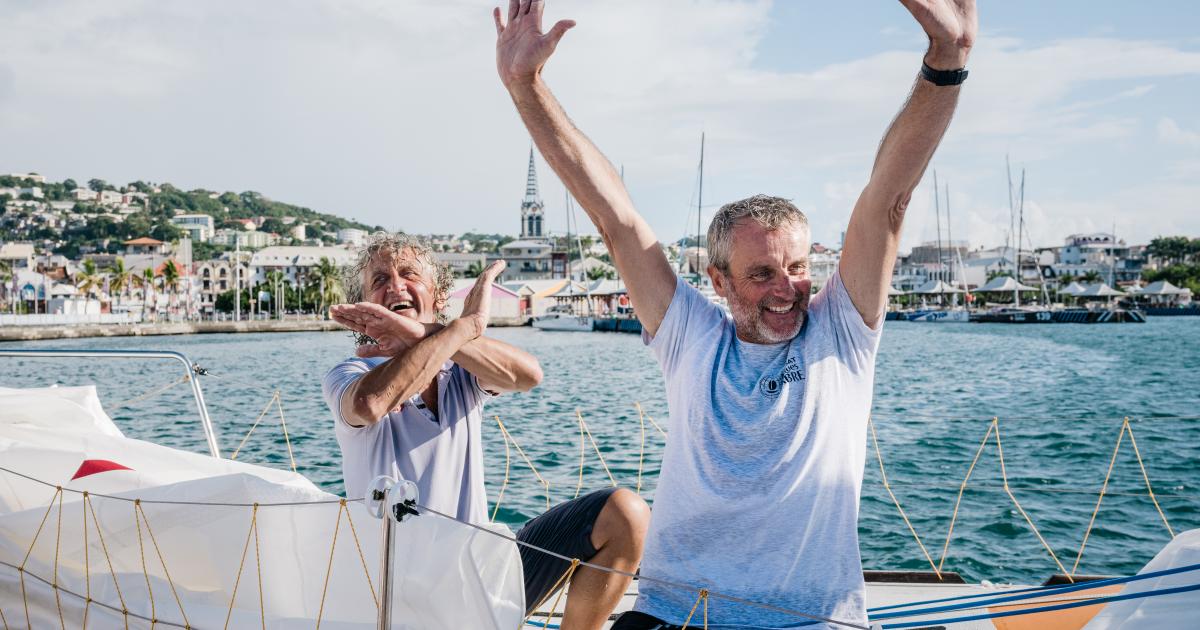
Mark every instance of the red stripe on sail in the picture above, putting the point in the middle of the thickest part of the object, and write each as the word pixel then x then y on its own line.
pixel 93 466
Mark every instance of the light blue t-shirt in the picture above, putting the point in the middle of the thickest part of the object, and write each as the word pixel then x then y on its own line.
pixel 442 454
pixel 759 491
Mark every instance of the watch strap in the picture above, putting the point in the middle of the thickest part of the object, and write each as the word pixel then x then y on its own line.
pixel 943 77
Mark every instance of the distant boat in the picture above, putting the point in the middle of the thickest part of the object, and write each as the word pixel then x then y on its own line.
pixel 563 318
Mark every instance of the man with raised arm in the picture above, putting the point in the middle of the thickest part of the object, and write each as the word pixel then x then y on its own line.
pixel 759 492
pixel 410 405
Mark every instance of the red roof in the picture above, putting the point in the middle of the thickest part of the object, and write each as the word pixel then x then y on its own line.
pixel 145 240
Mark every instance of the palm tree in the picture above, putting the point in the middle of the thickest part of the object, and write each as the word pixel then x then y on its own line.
pixel 6 276
pixel 121 278
pixel 170 280
pixel 1091 277
pixel 276 280
pixel 88 279
pixel 147 290
pixel 327 277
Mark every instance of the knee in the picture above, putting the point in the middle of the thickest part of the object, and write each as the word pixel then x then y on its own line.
pixel 625 517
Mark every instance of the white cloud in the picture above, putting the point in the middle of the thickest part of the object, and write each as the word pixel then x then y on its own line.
pixel 390 111
pixel 1169 131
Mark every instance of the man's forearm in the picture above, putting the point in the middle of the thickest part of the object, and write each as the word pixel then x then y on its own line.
pixel 597 186
pixel 397 379
pixel 584 170
pixel 498 366
pixel 912 138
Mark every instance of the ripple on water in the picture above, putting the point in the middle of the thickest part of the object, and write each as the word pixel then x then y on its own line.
pixel 1060 394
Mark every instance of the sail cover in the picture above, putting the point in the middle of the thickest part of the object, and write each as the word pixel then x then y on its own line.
pixel 195 551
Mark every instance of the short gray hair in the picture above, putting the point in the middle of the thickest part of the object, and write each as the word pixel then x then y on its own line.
pixel 770 212
pixel 387 243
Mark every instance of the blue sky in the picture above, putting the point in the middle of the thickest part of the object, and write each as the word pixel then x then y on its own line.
pixel 390 112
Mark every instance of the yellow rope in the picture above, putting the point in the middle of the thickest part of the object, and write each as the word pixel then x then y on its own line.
pixel 642 448
pixel 702 598
pixel 57 546
pixel 262 612
pixel 958 501
pixel 255 425
pixel 241 565
pixel 1004 478
pixel 108 559
pixel 565 579
pixel 507 464
pixel 886 486
pixel 651 419
pixel 36 535
pixel 5 619
pixel 162 561
pixel 561 581
pixel 361 557
pixel 1149 489
pixel 283 423
pixel 521 451
pixel 329 568
pixel 152 393
pixel 87 565
pixel 585 431
pixel 1103 488
pixel 145 573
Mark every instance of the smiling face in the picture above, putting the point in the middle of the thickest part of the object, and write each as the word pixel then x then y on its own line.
pixel 402 283
pixel 767 283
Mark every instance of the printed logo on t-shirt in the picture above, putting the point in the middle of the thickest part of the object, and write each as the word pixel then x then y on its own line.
pixel 771 385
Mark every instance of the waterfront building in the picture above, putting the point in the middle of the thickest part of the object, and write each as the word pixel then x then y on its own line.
pixel 252 239
pixel 217 276
pixel 527 260
pixel 532 215
pixel 295 261
pixel 352 236
pixel 200 227
pixel 461 262
pixel 145 246
pixel 17 255
pixel 1101 254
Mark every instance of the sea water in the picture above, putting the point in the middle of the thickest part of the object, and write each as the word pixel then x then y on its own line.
pixel 1060 394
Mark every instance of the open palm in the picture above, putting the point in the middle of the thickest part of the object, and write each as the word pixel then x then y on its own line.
pixel 521 46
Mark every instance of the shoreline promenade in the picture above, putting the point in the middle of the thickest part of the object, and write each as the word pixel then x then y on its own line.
pixel 35 333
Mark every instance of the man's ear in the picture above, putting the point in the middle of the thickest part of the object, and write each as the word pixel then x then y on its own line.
pixel 718 281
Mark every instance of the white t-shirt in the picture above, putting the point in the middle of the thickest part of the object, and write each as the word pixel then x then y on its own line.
pixel 442 455
pixel 763 467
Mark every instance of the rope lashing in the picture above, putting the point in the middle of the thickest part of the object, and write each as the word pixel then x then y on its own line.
pixel 507 466
pixel 508 436
pixel 887 486
pixel 162 561
pixel 276 399
pixel 703 597
pixel 1004 477
pixel 584 430
pixel 152 393
pixel 554 588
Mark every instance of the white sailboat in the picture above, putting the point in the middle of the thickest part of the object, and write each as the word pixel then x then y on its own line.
pixel 562 316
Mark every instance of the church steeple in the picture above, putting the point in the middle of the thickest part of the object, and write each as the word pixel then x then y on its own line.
pixel 531 206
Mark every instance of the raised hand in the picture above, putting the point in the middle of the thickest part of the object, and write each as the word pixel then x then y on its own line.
pixel 521 46
pixel 951 25
pixel 477 308
pixel 393 333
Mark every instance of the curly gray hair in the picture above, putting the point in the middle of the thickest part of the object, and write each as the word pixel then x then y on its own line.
pixel 440 276
pixel 770 212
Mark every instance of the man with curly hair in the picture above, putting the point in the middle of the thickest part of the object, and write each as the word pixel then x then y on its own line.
pixel 410 405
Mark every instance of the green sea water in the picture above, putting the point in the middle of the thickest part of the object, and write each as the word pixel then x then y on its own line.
pixel 1060 393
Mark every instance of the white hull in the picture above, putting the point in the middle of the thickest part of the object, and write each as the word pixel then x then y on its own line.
pixel 558 321
pixel 958 316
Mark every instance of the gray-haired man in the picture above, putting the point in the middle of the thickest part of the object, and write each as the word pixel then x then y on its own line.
pixel 760 482
pixel 410 405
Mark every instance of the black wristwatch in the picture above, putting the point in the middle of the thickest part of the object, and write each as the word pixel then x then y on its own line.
pixel 943 77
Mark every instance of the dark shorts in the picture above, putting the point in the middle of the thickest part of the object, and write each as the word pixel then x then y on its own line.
pixel 565 529
pixel 634 620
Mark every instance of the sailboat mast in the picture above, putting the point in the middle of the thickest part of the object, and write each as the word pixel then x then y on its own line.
pixel 699 205
pixel 950 244
pixel 1020 228
pixel 937 212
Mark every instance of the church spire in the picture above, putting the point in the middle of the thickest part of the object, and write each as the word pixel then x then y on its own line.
pixel 531 207
pixel 531 187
